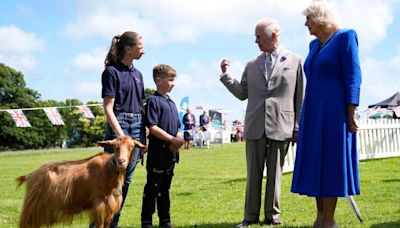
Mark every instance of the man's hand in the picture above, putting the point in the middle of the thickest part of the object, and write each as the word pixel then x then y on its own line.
pixel 225 65
pixel 294 137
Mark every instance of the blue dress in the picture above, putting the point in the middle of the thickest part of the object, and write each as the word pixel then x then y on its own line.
pixel 326 158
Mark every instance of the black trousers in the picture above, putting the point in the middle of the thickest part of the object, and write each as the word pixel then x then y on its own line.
pixel 156 193
pixel 160 170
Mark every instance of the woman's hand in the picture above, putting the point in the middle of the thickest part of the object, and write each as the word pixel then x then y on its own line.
pixel 351 115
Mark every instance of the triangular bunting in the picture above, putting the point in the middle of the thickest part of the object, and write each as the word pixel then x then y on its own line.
pixel 54 116
pixel 86 112
pixel 19 118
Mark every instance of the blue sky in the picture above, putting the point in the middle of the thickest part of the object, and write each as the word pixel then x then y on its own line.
pixel 60 46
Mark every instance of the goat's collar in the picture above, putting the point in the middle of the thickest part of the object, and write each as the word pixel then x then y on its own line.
pixel 114 166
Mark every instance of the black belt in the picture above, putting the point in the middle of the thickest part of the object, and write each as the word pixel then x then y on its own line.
pixel 128 114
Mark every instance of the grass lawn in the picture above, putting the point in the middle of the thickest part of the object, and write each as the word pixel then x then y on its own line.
pixel 208 190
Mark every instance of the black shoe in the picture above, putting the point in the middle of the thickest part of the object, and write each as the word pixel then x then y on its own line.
pixel 274 222
pixel 166 225
pixel 246 223
pixel 147 225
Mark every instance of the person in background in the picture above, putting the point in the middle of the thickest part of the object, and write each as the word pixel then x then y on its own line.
pixel 162 119
pixel 326 165
pixel 273 86
pixel 122 93
pixel 204 121
pixel 189 122
pixel 239 132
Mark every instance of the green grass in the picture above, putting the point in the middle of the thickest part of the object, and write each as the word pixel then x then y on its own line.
pixel 208 190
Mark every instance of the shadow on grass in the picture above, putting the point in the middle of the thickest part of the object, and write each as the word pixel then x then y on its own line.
pixel 216 225
pixel 391 180
pixel 386 225
pixel 231 225
pixel 233 181
pixel 184 194
pixel 208 225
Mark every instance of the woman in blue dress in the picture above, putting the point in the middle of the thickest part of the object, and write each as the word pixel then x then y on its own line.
pixel 326 165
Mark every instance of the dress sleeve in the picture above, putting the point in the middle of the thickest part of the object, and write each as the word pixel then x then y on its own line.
pixel 351 67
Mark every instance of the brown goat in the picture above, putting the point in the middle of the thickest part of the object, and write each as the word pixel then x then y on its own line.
pixel 58 191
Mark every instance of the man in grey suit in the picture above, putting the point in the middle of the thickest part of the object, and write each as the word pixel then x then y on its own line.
pixel 273 83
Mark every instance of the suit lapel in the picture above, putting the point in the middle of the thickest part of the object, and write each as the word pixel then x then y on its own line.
pixel 278 63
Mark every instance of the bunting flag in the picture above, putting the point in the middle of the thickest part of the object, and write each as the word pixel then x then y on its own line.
pixel 54 116
pixel 19 118
pixel 199 107
pixel 86 112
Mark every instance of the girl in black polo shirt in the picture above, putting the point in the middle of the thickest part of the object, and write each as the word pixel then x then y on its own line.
pixel 122 93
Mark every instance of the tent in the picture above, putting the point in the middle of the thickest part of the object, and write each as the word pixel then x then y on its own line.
pixel 392 101
pixel 379 115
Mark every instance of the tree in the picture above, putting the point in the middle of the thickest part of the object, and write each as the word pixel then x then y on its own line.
pixel 85 132
pixel 14 94
pixel 147 93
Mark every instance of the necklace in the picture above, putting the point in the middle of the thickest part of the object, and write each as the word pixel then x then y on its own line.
pixel 327 39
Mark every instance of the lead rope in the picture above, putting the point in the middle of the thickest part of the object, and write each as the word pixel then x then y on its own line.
pixel 115 168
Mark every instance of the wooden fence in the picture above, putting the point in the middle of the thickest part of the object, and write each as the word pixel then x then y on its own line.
pixel 379 138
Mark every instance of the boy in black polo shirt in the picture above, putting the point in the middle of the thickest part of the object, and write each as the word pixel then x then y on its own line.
pixel 162 119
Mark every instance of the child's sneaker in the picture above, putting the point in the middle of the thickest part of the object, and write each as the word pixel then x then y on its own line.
pixel 147 225
pixel 166 225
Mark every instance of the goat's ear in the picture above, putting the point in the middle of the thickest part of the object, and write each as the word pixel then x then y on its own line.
pixel 108 143
pixel 139 144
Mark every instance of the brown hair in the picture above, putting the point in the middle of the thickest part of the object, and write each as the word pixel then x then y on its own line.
pixel 118 44
pixel 163 71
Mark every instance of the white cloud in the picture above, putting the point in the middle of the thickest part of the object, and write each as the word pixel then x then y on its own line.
pixel 162 22
pixel 176 20
pixel 17 47
pixel 371 20
pixel 88 89
pixel 380 80
pixel 19 62
pixel 184 81
pixel 104 22
pixel 202 77
pixel 92 60
pixel 15 41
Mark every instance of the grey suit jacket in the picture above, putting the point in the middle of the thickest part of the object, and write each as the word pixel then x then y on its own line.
pixel 273 108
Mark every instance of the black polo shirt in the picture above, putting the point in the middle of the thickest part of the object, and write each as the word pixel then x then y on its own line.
pixel 125 85
pixel 161 111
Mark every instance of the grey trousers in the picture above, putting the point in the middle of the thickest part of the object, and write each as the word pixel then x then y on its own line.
pixel 260 153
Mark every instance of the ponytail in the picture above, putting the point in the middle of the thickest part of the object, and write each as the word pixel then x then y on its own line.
pixel 117 48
